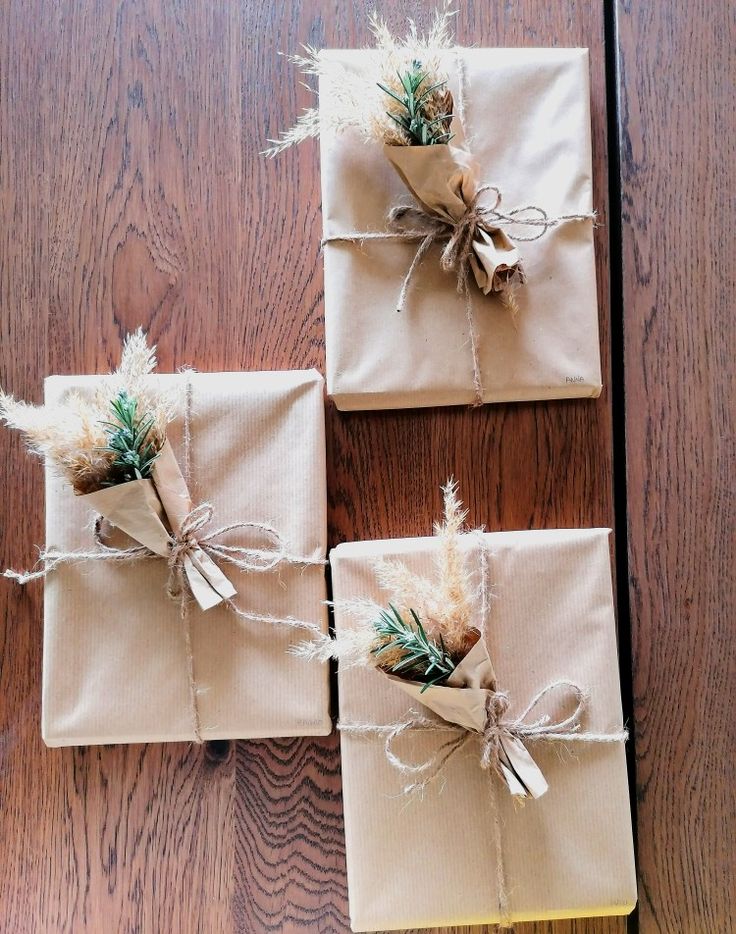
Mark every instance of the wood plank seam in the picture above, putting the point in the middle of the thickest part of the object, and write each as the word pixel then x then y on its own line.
pixel 618 410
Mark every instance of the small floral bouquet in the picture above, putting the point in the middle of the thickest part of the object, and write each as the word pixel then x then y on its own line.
pixel 112 448
pixel 409 110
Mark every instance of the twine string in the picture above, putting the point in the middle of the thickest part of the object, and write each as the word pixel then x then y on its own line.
pixel 497 726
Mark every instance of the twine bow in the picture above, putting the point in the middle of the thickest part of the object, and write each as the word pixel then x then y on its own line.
pixel 188 542
pixel 185 544
pixel 497 728
pixel 497 704
pixel 412 222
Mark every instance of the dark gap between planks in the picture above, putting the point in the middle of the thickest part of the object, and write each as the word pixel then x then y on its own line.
pixel 618 406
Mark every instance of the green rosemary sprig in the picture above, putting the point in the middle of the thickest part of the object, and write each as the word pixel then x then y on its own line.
pixel 128 439
pixel 420 659
pixel 425 116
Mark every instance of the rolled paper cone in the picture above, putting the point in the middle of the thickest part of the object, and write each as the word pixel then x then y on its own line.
pixel 443 180
pixel 208 584
pixel 462 701
pixel 171 487
pixel 135 509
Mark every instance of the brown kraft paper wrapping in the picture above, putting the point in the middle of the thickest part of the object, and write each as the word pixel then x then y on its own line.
pixel 567 854
pixel 527 114
pixel 114 666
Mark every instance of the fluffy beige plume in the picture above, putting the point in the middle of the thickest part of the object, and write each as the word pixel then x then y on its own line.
pixel 306 127
pixel 444 604
pixel 453 585
pixel 352 646
pixel 440 34
pixel 70 435
pixel 137 362
pixel 355 104
pixel 67 435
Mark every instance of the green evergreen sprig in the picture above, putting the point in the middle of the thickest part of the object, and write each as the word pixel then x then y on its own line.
pixel 419 117
pixel 420 659
pixel 128 439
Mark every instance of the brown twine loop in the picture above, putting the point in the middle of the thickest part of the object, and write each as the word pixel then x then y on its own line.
pixel 412 222
pixel 184 544
pixel 497 704
pixel 189 652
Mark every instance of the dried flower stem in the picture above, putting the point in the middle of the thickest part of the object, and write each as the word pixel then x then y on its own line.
pixel 441 606
pixel 72 435
pixel 353 104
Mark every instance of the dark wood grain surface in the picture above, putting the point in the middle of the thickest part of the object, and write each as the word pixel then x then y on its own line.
pixel 678 175
pixel 132 192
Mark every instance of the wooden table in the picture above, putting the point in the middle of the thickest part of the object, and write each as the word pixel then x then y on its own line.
pixel 132 191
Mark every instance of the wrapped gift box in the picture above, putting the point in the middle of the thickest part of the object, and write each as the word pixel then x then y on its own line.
pixel 527 125
pixel 114 661
pixel 429 860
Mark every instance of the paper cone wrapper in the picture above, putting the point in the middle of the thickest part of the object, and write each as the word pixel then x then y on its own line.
pixel 567 854
pixel 443 181
pixel 527 117
pixel 147 509
pixel 114 666
pixel 135 509
pixel 462 700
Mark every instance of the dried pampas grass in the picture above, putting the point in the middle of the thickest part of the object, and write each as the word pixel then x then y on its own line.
pixel 444 604
pixel 355 105
pixel 70 435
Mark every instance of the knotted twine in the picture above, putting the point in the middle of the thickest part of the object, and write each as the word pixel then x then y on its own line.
pixel 274 554
pixel 497 726
pixel 411 223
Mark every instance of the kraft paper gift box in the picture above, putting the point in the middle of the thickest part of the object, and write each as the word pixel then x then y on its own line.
pixel 527 127
pixel 115 667
pixel 430 860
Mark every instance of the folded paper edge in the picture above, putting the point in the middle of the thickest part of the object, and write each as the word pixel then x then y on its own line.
pixel 368 926
pixel 409 544
pixel 354 401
